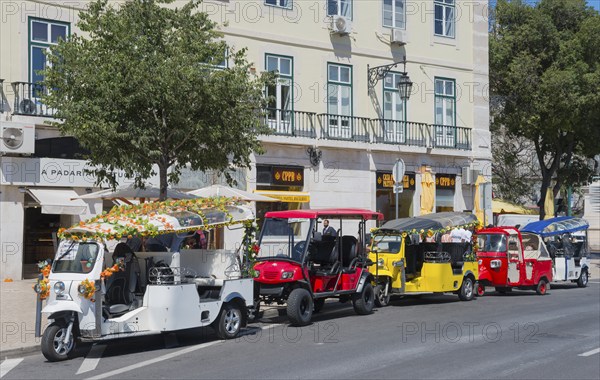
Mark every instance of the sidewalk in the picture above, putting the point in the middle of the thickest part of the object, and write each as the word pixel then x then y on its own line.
pixel 17 318
pixel 17 314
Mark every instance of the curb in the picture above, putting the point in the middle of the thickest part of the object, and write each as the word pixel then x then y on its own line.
pixel 20 352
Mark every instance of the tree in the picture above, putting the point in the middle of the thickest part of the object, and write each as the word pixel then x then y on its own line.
pixel 146 87
pixel 545 75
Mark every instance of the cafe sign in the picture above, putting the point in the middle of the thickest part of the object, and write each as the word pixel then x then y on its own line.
pixel 445 181
pixel 287 176
pixel 385 180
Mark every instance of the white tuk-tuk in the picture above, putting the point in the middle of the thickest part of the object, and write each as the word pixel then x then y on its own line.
pixel 93 295
pixel 566 241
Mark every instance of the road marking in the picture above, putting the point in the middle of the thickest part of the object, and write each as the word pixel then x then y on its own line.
pixel 7 365
pixel 92 359
pixel 591 352
pixel 155 360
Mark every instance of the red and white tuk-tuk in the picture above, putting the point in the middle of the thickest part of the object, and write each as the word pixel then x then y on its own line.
pixel 510 259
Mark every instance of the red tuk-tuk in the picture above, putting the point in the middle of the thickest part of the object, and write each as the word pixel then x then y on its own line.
pixel 510 259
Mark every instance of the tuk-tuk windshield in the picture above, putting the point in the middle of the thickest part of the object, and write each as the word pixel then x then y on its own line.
pixel 491 242
pixel 387 243
pixel 285 238
pixel 75 257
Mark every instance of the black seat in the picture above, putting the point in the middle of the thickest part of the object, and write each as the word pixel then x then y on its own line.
pixel 457 252
pixel 349 253
pixel 326 255
pixel 122 285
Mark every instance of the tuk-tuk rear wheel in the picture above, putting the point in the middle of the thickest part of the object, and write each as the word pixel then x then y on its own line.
pixel 542 287
pixel 229 322
pixel 466 291
pixel 52 344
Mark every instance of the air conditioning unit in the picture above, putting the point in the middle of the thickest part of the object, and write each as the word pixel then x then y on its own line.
pixel 341 25
pixel 27 107
pixel 398 37
pixel 17 138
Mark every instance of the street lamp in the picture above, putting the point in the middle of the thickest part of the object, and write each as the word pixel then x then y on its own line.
pixel 404 85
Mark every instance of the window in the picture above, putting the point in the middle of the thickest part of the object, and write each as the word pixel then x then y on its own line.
pixel 394 14
pixel 394 110
pixel 445 111
pixel 280 3
pixel 444 18
pixel 339 8
pixel 280 107
pixel 42 35
pixel 339 100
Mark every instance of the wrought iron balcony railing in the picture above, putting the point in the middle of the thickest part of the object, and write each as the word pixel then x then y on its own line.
pixel 450 137
pixel 400 132
pixel 341 127
pixel 2 97
pixel 291 123
pixel 28 99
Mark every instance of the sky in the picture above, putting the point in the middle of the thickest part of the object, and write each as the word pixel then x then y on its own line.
pixel 591 3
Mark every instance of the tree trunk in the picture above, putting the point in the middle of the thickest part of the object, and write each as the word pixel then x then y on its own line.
pixel 164 183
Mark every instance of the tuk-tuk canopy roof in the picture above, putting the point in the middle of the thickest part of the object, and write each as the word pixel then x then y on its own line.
pixel 332 213
pixel 157 218
pixel 431 222
pixel 556 226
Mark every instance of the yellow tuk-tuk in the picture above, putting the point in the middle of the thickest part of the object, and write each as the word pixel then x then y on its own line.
pixel 424 255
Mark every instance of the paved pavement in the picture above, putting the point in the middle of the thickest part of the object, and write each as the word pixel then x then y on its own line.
pixel 17 314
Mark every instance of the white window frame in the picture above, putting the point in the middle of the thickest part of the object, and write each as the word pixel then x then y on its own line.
pixel 280 120
pixel 284 4
pixel 445 131
pixel 394 12
pixel 338 4
pixel 339 124
pixel 45 45
pixel 394 131
pixel 448 24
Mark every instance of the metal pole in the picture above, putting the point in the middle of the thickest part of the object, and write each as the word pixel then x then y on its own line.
pixel 396 204
pixel 569 196
pixel 38 312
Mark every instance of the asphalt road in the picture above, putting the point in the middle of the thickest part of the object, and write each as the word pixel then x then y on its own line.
pixel 518 336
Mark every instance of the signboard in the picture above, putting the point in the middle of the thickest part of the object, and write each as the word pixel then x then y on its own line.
pixel 385 180
pixel 287 176
pixel 445 181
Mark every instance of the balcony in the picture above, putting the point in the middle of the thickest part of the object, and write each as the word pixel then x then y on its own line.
pixel 28 99
pixel 360 129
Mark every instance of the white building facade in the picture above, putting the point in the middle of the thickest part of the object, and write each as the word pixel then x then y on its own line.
pixel 337 130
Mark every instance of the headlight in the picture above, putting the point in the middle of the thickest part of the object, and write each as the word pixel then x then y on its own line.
pixel 495 264
pixel 37 288
pixel 256 273
pixel 81 289
pixel 286 275
pixel 59 288
pixel 479 261
pixel 381 262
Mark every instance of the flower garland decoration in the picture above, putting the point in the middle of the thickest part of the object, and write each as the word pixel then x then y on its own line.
pixel 87 289
pixel 476 226
pixel 143 220
pixel 119 266
pixel 251 247
pixel 42 287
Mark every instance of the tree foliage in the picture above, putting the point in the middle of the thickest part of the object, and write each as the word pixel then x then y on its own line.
pixel 143 86
pixel 545 75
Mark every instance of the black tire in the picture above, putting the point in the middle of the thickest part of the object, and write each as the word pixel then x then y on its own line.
pixel 381 300
pixel 480 290
pixel 467 289
pixel 542 287
pixel 52 347
pixel 229 322
pixel 582 281
pixel 299 307
pixel 502 290
pixel 318 304
pixel 364 301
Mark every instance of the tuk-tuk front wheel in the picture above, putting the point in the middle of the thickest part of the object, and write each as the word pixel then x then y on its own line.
pixel 582 281
pixel 542 287
pixel 381 299
pixel 480 290
pixel 467 289
pixel 229 322
pixel 53 346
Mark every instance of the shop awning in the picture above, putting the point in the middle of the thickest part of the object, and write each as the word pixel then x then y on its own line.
pixel 286 196
pixel 55 201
